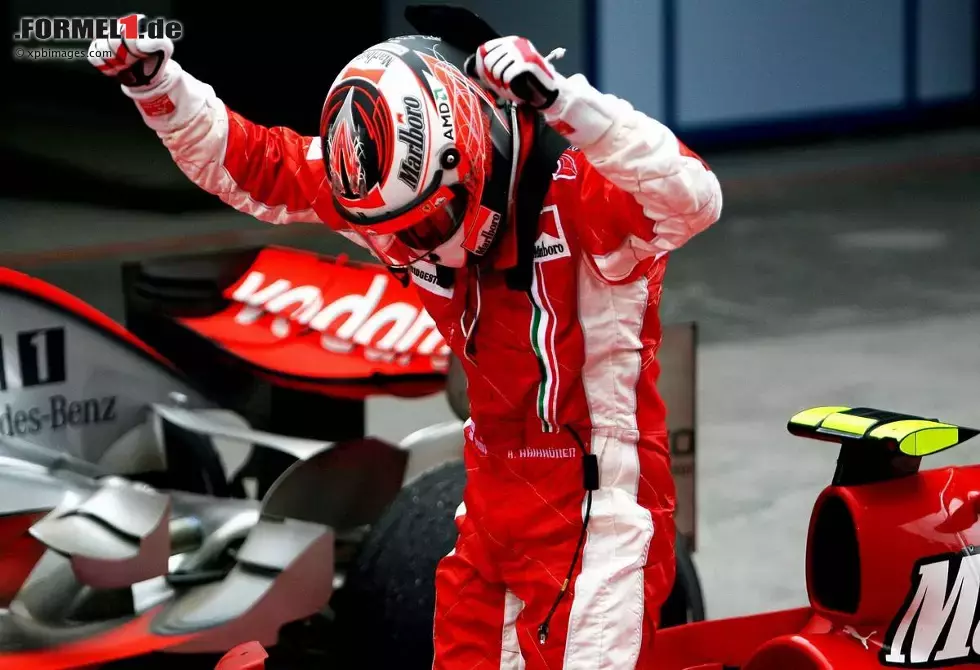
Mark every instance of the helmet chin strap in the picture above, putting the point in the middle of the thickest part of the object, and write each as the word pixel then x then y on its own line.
pixel 500 194
pixel 515 158
pixel 501 191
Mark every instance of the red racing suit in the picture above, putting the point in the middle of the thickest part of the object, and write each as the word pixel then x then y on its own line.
pixel 572 361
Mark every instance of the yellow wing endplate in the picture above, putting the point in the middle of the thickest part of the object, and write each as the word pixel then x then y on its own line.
pixel 911 435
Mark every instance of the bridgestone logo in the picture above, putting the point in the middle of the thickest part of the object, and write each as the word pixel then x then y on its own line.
pixel 427 277
pixel 413 135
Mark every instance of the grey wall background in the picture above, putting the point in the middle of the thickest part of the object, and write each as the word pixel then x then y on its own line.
pixel 630 52
pixel 740 61
pixel 707 64
pixel 947 34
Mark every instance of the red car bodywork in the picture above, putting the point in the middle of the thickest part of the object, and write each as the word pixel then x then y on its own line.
pixel 901 620
pixel 318 313
pixel 911 603
pixel 26 285
pixel 893 572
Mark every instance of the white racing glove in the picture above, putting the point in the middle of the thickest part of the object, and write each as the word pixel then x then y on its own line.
pixel 139 64
pixel 513 69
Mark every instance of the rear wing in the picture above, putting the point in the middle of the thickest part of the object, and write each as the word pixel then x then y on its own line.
pixel 908 434
pixel 304 321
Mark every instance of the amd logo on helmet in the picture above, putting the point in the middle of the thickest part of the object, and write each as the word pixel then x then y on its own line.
pixel 445 113
pixel 413 135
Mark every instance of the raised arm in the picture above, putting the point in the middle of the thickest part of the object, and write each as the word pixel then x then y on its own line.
pixel 274 174
pixel 679 194
pixel 676 192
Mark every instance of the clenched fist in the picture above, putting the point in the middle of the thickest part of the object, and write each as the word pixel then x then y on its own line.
pixel 137 63
pixel 513 69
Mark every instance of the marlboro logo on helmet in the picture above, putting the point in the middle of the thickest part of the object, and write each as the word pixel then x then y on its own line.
pixel 412 135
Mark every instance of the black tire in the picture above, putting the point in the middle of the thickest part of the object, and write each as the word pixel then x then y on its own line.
pixel 385 609
pixel 456 390
pixel 685 604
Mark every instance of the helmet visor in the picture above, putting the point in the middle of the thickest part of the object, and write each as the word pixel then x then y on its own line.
pixel 413 243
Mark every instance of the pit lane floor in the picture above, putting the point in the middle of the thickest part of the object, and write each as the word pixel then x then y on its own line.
pixel 838 275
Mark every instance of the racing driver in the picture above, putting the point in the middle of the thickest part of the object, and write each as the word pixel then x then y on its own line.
pixel 535 215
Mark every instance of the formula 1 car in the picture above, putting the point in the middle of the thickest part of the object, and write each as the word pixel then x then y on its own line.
pixel 892 562
pixel 892 569
pixel 203 479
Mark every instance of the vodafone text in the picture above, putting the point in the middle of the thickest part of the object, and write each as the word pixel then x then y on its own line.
pixel 393 332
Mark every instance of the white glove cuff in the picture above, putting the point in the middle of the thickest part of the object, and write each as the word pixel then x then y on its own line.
pixel 581 113
pixel 172 101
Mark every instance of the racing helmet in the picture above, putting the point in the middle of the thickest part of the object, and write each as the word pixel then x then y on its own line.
pixel 418 156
